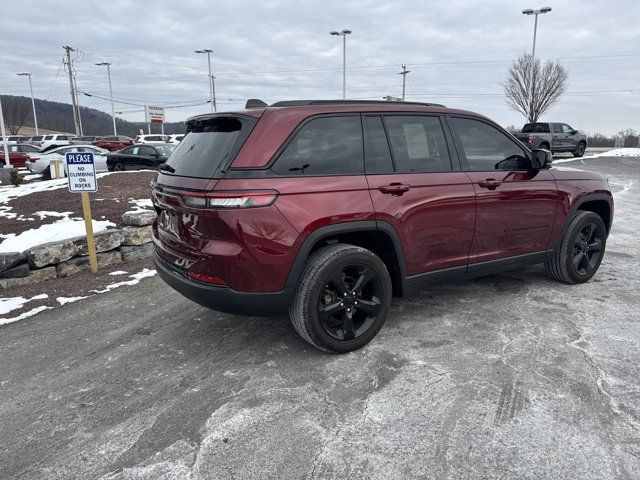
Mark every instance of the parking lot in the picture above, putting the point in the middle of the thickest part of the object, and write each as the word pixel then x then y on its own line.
pixel 509 376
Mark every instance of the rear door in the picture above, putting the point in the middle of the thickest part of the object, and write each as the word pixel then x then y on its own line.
pixel 516 206
pixel 417 187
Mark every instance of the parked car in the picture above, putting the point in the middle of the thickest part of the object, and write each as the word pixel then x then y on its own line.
pixel 176 138
pixel 139 157
pixel 84 140
pixel 113 143
pixel 41 162
pixel 18 154
pixel 152 139
pixel 49 142
pixel 11 140
pixel 327 209
pixel 33 140
pixel 556 137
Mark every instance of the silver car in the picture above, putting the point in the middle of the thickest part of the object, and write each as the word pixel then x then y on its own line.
pixel 41 162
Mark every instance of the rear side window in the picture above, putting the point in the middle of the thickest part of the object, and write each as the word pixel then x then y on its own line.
pixel 418 144
pixel 210 145
pixel 376 146
pixel 323 146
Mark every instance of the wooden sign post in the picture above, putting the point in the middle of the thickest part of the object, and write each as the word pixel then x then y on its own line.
pixel 81 176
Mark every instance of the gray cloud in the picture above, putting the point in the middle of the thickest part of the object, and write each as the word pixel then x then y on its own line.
pixel 457 52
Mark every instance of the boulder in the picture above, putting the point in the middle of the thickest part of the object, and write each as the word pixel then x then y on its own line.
pixel 132 253
pixel 136 235
pixel 52 253
pixel 139 219
pixel 21 270
pixel 36 276
pixel 79 264
pixel 11 259
pixel 105 241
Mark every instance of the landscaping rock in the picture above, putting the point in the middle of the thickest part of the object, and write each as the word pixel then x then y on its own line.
pixel 132 253
pixel 21 270
pixel 11 259
pixel 139 219
pixel 105 241
pixel 136 235
pixel 78 264
pixel 52 253
pixel 36 276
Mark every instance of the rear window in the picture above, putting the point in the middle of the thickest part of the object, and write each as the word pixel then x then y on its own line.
pixel 535 128
pixel 210 145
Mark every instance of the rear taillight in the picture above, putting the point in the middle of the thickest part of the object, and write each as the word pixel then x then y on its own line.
pixel 532 138
pixel 252 199
pixel 203 277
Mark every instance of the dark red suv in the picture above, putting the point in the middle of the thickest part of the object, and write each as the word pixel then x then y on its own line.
pixel 113 143
pixel 327 209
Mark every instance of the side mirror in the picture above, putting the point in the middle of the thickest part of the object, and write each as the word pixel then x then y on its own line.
pixel 575 132
pixel 540 158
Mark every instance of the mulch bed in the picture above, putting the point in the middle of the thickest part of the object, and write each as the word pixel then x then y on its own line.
pixel 108 203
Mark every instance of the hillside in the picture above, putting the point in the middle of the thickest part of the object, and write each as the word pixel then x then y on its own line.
pixel 59 117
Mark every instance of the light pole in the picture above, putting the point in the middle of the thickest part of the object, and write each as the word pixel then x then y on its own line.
pixel 212 85
pixel 113 113
pixel 343 34
pixel 530 11
pixel 33 102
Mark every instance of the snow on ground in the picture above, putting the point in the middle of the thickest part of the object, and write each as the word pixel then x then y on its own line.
pixel 140 205
pixel 13 303
pixel 62 229
pixel 65 300
pixel 118 272
pixel 617 152
pixel 30 313
pixel 136 277
pixel 34 176
pixel 44 214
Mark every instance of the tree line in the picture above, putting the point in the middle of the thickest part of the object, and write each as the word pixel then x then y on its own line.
pixel 59 117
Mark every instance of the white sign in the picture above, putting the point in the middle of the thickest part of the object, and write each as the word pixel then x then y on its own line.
pixel 154 114
pixel 81 172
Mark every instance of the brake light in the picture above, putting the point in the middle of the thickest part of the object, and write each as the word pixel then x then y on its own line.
pixel 532 138
pixel 254 199
pixel 203 277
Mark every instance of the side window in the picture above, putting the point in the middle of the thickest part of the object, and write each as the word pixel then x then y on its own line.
pixel 486 148
pixel 376 147
pixel 48 137
pixel 147 151
pixel 557 128
pixel 324 146
pixel 418 144
pixel 128 150
pixel 567 129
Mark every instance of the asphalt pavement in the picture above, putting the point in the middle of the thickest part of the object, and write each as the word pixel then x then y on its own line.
pixel 513 376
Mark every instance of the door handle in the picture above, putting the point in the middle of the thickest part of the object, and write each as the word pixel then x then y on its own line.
pixel 396 189
pixel 490 183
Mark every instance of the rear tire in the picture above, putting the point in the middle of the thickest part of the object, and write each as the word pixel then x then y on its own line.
pixel 342 299
pixel 118 167
pixel 545 146
pixel 579 151
pixel 581 249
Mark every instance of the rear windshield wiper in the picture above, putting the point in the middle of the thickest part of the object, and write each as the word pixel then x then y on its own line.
pixel 167 168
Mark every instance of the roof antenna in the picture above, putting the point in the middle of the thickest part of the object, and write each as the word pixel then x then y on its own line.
pixel 255 103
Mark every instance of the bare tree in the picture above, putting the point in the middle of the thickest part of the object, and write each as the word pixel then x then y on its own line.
pixel 16 110
pixel 549 83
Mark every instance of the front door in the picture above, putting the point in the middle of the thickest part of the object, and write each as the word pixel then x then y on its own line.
pixel 414 187
pixel 516 205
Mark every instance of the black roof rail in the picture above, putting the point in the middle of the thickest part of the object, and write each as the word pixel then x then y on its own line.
pixel 301 103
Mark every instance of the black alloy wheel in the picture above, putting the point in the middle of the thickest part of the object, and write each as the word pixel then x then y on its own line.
pixel 587 249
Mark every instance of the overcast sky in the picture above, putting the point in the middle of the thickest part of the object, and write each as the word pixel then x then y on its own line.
pixel 457 51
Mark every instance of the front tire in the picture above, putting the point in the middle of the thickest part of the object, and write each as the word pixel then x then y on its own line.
pixel 343 298
pixel 579 151
pixel 581 249
pixel 118 167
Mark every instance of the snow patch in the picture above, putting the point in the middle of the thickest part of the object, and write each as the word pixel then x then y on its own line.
pixel 140 205
pixel 14 303
pixel 30 313
pixel 65 300
pixel 135 279
pixel 52 232
pixel 44 214
pixel 118 272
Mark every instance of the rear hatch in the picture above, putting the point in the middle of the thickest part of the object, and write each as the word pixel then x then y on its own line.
pixel 200 160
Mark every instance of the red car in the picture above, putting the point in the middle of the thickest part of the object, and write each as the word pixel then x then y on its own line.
pixel 327 209
pixel 18 154
pixel 113 143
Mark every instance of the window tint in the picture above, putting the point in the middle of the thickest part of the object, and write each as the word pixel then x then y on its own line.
pixel 146 151
pixel 324 146
pixel 63 137
pixel 48 137
pixel 128 150
pixel 418 144
pixel 376 147
pixel 556 127
pixel 486 148
pixel 566 128
pixel 535 128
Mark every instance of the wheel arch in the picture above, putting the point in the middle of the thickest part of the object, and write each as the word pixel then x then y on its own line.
pixel 378 236
pixel 598 203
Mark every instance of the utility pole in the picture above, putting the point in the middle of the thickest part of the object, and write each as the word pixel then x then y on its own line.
pixel 75 84
pixel 74 104
pixel 404 78
pixel 33 102
pixel 7 160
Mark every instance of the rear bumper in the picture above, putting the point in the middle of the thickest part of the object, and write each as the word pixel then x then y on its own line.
pixel 224 299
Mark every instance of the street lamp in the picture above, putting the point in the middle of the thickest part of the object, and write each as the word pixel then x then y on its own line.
pixel 530 11
pixel 33 102
pixel 113 113
pixel 212 84
pixel 343 34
